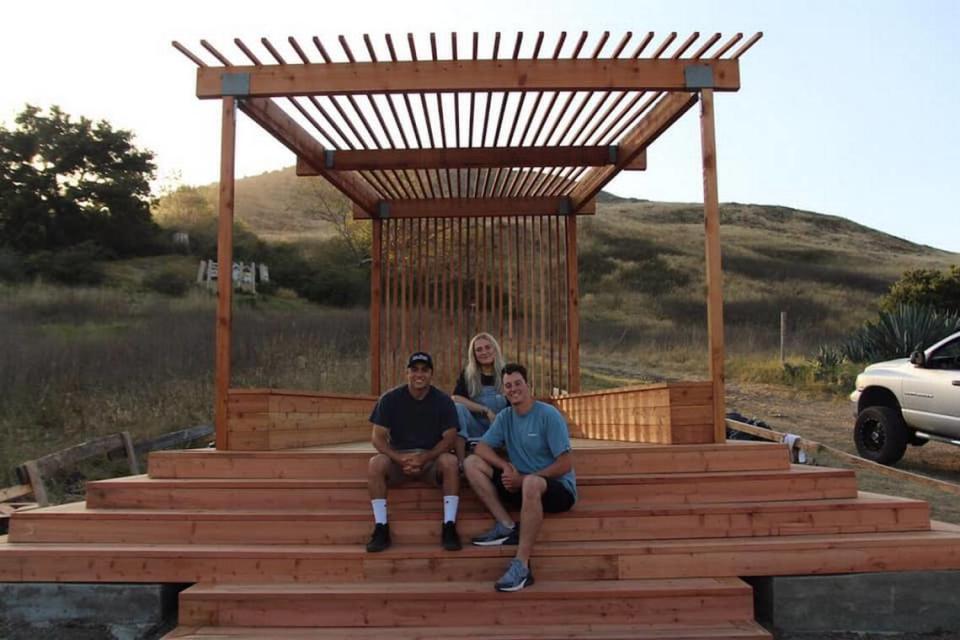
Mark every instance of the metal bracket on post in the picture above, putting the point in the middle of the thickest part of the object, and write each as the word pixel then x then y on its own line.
pixel 613 152
pixel 698 76
pixel 566 207
pixel 383 210
pixel 329 158
pixel 235 84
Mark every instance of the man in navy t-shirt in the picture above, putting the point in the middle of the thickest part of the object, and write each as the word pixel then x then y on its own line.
pixel 537 478
pixel 414 428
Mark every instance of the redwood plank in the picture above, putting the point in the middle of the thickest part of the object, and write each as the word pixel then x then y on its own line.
pixel 466 75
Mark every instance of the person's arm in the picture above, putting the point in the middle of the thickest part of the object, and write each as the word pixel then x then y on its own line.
pixel 488 455
pixel 563 464
pixel 475 407
pixel 381 442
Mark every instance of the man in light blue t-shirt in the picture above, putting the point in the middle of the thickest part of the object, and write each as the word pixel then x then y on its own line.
pixel 537 478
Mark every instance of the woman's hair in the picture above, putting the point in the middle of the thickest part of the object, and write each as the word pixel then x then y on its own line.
pixel 471 372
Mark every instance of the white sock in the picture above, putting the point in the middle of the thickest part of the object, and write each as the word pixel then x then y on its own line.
pixel 379 510
pixel 450 504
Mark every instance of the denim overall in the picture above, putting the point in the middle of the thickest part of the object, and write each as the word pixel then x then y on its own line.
pixel 473 426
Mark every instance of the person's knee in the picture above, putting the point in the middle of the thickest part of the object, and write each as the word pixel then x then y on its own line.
pixel 378 464
pixel 447 462
pixel 477 470
pixel 533 486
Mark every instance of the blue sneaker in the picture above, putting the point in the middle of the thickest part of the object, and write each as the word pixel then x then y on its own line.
pixel 498 535
pixel 517 577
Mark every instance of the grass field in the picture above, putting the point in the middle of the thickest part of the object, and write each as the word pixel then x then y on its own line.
pixel 80 363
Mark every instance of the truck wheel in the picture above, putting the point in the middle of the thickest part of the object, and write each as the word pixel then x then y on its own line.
pixel 881 435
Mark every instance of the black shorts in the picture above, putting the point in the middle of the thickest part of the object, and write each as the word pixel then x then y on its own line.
pixel 556 499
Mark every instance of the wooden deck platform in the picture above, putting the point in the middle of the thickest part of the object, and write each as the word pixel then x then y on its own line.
pixel 654 549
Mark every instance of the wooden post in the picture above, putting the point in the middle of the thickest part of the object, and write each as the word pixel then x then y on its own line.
pixel 783 336
pixel 375 267
pixel 711 207
pixel 131 453
pixel 35 478
pixel 225 279
pixel 573 308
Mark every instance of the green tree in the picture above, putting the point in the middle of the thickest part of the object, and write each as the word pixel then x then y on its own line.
pixel 183 208
pixel 64 182
pixel 928 288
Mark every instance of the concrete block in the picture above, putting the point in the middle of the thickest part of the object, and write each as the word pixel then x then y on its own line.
pixel 908 604
pixel 81 611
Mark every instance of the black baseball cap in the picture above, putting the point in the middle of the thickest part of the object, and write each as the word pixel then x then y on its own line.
pixel 420 357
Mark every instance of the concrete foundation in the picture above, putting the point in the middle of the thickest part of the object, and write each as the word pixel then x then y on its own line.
pixel 912 604
pixel 87 611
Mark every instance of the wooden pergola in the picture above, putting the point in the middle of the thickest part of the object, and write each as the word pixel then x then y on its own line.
pixel 472 164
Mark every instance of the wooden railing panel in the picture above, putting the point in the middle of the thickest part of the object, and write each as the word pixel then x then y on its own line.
pixel 269 419
pixel 663 413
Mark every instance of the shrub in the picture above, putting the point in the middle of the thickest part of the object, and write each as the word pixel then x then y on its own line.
pixel 11 266
pixel 167 282
pixel 897 333
pixel 652 275
pixel 926 287
pixel 73 265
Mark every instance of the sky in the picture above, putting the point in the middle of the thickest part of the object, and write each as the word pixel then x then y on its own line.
pixel 846 107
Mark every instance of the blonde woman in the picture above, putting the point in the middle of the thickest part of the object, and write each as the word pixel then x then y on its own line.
pixel 479 391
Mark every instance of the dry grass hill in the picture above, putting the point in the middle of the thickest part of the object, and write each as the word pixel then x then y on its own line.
pixel 642 266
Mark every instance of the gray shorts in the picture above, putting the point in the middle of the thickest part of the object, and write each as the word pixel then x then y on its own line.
pixel 428 474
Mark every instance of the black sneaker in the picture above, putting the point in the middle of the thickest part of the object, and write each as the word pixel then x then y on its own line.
pixel 450 538
pixel 380 539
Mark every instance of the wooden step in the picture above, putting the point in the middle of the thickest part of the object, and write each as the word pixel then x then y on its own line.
pixel 350 461
pixel 936 549
pixel 413 604
pixel 143 492
pixel 77 523
pixel 676 631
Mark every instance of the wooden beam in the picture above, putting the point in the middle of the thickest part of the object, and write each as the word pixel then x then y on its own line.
pixel 225 272
pixel 16 491
pixel 658 120
pixel 711 222
pixel 467 158
pixel 639 163
pixel 474 208
pixel 288 131
pixel 428 76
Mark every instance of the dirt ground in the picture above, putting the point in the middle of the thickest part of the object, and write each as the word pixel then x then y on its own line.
pixel 829 421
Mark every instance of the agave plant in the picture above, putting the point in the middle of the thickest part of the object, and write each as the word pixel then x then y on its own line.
pixel 898 332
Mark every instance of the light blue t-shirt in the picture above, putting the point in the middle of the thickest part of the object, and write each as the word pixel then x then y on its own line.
pixel 533 441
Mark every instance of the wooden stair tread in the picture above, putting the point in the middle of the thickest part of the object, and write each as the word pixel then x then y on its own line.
pixel 80 510
pixel 472 591
pixel 145 481
pixel 314 462
pixel 734 630
pixel 939 533
pixel 577 443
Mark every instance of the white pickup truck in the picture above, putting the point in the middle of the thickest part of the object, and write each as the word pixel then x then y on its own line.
pixel 908 401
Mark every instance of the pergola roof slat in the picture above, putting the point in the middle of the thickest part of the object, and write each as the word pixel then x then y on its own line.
pixel 505 126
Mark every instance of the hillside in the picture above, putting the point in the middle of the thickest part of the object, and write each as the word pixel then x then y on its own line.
pixel 642 265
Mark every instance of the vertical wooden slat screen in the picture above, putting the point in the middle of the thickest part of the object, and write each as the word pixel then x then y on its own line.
pixel 443 280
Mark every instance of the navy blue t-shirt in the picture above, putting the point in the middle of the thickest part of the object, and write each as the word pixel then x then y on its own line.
pixel 415 424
